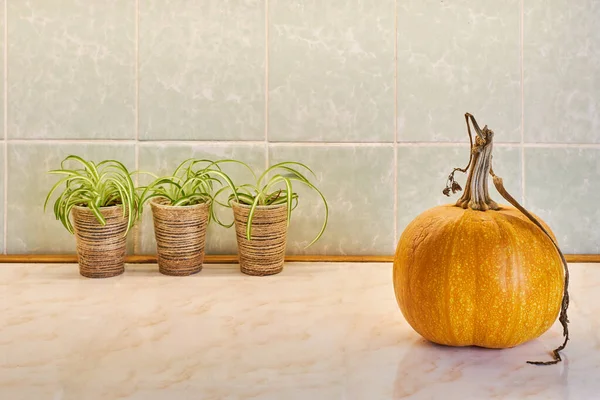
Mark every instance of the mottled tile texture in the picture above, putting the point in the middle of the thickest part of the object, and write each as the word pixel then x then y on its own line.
pixel 335 84
pixel 562 186
pixel 30 229
pixel 2 205
pixel 2 67
pixel 163 159
pixel 422 174
pixel 202 69
pixel 561 64
pixel 358 183
pixel 456 57
pixel 2 133
pixel 71 69
pixel 331 70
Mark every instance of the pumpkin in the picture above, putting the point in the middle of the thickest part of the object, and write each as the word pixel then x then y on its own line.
pixel 477 273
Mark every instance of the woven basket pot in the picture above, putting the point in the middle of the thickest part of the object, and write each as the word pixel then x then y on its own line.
pixel 265 253
pixel 180 234
pixel 100 249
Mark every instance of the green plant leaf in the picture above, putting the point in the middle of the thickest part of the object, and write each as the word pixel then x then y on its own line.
pixel 250 217
pixel 89 166
pixel 53 189
pixel 194 181
pixel 288 198
pixel 310 185
pixel 128 210
pixel 192 199
pixel 95 186
pixel 97 213
pixel 283 165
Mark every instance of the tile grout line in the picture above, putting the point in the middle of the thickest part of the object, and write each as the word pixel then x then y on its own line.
pixel 395 123
pixel 331 144
pixel 137 231
pixel 304 144
pixel 266 84
pixel 521 15
pixel 562 145
pixel 300 144
pixel 5 77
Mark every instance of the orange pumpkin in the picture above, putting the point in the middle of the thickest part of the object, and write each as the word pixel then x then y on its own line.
pixel 476 273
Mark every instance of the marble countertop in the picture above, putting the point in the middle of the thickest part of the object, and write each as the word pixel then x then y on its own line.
pixel 315 331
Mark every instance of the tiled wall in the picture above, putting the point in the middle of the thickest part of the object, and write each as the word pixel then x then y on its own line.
pixel 371 94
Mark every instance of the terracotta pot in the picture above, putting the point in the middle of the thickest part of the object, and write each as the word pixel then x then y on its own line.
pixel 100 249
pixel 180 234
pixel 264 254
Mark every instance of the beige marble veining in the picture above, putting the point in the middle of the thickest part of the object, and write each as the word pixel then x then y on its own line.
pixel 316 331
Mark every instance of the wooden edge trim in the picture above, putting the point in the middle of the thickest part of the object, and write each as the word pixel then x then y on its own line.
pixel 582 258
pixel 233 259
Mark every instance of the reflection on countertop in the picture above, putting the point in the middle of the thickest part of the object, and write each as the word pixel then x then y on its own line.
pixel 315 331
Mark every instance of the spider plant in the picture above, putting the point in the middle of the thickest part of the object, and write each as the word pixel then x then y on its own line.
pixel 275 187
pixel 191 183
pixel 94 186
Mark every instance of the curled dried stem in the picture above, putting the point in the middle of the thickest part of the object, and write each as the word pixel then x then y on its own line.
pixel 563 317
pixel 476 197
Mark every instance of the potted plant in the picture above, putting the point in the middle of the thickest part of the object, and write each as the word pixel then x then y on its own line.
pixel 262 213
pixel 102 200
pixel 182 207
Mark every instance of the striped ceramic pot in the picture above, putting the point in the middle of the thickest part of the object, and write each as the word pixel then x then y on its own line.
pixel 101 249
pixel 180 233
pixel 264 254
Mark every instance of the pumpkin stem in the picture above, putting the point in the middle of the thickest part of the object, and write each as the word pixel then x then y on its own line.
pixel 563 318
pixel 476 195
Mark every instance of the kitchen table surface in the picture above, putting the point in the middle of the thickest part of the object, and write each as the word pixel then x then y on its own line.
pixel 315 331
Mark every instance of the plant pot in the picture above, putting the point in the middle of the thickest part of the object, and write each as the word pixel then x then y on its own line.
pixel 100 249
pixel 180 234
pixel 264 254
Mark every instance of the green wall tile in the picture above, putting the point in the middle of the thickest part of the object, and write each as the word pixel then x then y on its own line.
pixel 456 57
pixel 562 186
pixel 71 69
pixel 561 63
pixel 202 70
pixel 2 238
pixel 201 79
pixel 2 63
pixel 331 71
pixel 358 183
